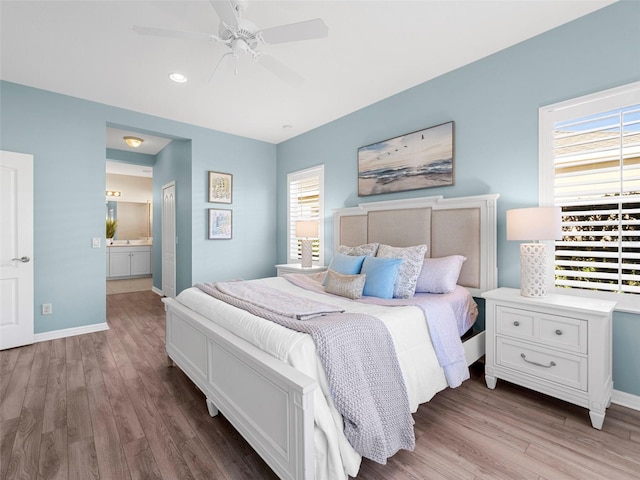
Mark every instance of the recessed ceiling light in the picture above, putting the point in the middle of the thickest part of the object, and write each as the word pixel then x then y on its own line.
pixel 287 126
pixel 177 77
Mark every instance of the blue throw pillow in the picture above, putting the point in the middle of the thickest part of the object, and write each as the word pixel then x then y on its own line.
pixel 345 264
pixel 381 276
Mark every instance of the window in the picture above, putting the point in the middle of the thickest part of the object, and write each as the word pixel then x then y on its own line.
pixel 305 201
pixel 590 167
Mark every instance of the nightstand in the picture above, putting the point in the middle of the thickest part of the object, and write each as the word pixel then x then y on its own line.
pixel 558 345
pixel 297 268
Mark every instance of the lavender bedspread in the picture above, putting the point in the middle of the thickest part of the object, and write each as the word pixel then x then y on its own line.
pixel 446 326
pixel 359 359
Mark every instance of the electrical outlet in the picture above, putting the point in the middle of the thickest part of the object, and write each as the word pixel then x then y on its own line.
pixel 47 309
pixel 95 243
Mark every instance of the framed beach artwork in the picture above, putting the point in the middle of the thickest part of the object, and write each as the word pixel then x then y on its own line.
pixel 220 224
pixel 422 159
pixel 220 187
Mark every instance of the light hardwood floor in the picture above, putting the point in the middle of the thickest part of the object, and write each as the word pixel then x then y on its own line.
pixel 105 406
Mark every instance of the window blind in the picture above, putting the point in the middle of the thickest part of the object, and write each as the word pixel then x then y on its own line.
pixel 305 202
pixel 597 184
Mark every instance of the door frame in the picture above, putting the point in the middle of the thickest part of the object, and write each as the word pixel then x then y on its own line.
pixel 171 269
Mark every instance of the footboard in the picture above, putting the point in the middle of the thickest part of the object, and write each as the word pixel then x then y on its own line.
pixel 267 401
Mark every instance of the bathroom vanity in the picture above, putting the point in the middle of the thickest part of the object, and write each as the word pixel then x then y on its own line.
pixel 128 260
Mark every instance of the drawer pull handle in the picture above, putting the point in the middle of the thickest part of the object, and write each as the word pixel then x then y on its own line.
pixel 558 332
pixel 551 364
pixel 516 323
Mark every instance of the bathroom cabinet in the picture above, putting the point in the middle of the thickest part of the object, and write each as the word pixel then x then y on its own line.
pixel 128 261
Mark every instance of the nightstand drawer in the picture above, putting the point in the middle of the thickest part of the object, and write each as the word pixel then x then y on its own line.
pixel 562 368
pixel 515 322
pixel 555 331
pixel 564 332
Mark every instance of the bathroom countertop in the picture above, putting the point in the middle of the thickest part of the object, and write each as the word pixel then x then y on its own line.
pixel 134 243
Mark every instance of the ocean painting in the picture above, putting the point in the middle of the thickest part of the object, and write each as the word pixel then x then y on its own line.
pixel 422 159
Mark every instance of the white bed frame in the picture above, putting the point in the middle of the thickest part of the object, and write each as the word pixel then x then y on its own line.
pixel 269 402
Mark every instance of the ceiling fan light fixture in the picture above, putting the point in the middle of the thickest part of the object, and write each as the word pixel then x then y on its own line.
pixel 243 36
pixel 177 77
pixel 133 142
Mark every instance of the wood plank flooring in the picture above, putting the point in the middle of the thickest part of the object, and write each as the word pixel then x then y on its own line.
pixel 106 406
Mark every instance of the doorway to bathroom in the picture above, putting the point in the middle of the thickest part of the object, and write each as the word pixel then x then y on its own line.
pixel 129 209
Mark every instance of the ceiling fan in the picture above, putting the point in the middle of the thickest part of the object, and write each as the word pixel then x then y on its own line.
pixel 244 37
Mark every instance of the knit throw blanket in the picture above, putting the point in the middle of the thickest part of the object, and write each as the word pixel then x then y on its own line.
pixel 359 360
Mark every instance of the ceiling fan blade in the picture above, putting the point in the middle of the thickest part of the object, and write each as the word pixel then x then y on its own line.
pixel 280 70
pixel 293 32
pixel 223 64
pixel 164 32
pixel 226 12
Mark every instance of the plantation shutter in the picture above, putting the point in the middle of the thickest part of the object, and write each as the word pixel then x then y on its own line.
pixel 597 184
pixel 305 202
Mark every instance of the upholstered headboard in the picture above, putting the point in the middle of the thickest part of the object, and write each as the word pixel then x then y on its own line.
pixel 453 226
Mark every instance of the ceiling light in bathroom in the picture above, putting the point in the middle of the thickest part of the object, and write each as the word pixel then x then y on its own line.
pixel 133 142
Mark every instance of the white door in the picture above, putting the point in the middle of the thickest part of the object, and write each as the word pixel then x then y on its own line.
pixel 16 249
pixel 169 240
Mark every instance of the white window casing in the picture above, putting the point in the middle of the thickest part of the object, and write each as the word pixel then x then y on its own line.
pixel 590 166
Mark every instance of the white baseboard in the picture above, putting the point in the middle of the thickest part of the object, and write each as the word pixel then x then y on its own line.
pixel 626 399
pixel 157 291
pixel 70 332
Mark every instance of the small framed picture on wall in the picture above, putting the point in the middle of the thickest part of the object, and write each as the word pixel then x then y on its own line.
pixel 220 187
pixel 220 224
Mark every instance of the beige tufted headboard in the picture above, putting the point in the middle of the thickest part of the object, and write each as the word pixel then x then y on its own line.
pixel 463 226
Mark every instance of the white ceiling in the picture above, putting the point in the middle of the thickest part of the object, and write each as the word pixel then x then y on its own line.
pixel 375 49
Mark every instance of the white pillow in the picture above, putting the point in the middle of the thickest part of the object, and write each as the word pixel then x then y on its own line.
pixel 412 258
pixel 440 275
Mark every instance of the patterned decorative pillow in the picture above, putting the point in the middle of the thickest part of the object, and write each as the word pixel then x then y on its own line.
pixel 440 275
pixel 349 286
pixel 366 249
pixel 411 266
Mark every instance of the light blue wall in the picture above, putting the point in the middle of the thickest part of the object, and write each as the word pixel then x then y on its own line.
pixel 494 103
pixel 66 136
pixel 173 163
pixel 251 252
pixel 130 157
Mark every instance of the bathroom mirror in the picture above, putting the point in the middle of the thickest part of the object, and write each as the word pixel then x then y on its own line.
pixel 134 219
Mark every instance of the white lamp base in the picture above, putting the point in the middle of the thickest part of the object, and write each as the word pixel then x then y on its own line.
pixel 307 255
pixel 533 270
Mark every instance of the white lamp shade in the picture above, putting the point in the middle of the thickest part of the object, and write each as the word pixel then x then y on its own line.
pixel 536 223
pixel 306 229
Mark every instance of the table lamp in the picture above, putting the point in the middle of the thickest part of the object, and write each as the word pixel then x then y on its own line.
pixel 534 224
pixel 306 231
